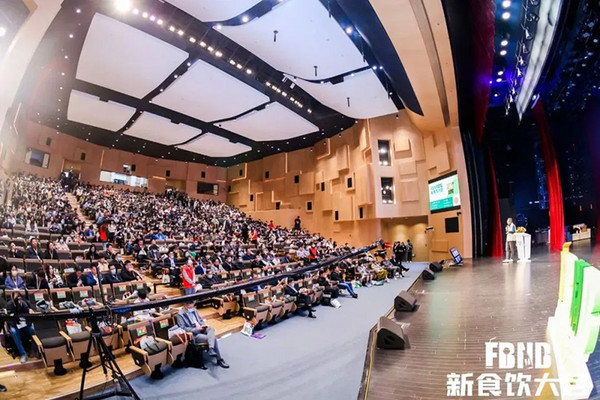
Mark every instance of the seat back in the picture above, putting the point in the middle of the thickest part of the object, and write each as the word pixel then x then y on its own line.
pixel 300 283
pixel 251 300
pixel 36 295
pixel 80 293
pixel 161 326
pixel 264 295
pixel 138 285
pixel 119 289
pixel 138 330
pixel 32 265
pixel 60 295
pixel 46 328
pixel 64 255
pixel 224 275
pixel 17 262
pixel 278 292
pixel 8 293
pixel 235 274
pixel 247 273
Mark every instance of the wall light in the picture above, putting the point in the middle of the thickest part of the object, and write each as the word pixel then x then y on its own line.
pixel 123 5
pixel 505 15
pixel 504 43
pixel 502 52
pixel 506 3
pixel 245 19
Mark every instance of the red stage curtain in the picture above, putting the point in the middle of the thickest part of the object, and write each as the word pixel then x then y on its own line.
pixel 555 197
pixel 495 224
pixel 483 30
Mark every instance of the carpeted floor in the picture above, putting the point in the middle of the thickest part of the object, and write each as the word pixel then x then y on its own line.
pixel 300 358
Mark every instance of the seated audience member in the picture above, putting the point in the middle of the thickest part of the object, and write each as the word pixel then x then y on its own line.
pixel 14 281
pixel 92 278
pixel 14 252
pixel 91 253
pixel 33 250
pixel 129 274
pixel 112 276
pixel 38 280
pixel 62 245
pixel 54 279
pixel 365 275
pixel 76 279
pixel 20 330
pixel 146 313
pixel 102 264
pixel 210 279
pixel 189 320
pixel 51 253
pixel 323 281
pixel 292 290
pixel 336 275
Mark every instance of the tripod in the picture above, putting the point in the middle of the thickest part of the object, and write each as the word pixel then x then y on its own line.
pixel 108 362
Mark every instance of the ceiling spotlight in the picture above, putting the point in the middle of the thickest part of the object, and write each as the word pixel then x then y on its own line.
pixel 175 76
pixel 136 11
pixel 66 56
pixel 189 64
pixel 210 48
pixel 496 95
pixel 159 21
pixel 239 66
pixel 374 66
pixel 309 111
pixel 123 5
pixel 506 3
pixel 78 11
pixel 502 52
pixel 202 44
pixel 245 19
pixel 505 15
pixel 2 31
pixel 349 30
pixel 180 32
pixel 504 43
pixel 218 26
pixel 152 18
pixel 218 53
pixel 232 62
pixel 248 71
pixel 70 36
pixel 499 80
pixel 500 73
pixel 145 14
pixel 192 39
pixel 172 28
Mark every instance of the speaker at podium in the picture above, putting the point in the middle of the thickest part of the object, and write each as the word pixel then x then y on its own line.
pixel 390 335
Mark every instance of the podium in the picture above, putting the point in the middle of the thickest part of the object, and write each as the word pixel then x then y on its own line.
pixel 523 246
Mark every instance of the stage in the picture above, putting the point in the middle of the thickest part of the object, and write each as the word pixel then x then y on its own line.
pixel 484 300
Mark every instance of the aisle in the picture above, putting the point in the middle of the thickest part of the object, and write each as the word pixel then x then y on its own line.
pixel 299 358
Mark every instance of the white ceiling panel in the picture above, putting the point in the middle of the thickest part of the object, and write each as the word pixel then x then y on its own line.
pixel 209 94
pixel 125 59
pixel 214 10
pixel 274 122
pixel 368 97
pixel 161 130
pixel 215 146
pixel 89 110
pixel 306 37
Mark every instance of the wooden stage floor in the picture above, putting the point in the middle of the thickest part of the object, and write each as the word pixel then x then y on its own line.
pixel 459 311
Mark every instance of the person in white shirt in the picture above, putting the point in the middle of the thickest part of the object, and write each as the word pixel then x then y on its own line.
pixel 511 241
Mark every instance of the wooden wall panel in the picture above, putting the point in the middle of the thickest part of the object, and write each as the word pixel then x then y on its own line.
pixel 407 167
pixel 364 185
pixel 342 158
pixel 276 165
pixel 409 190
pixel 307 183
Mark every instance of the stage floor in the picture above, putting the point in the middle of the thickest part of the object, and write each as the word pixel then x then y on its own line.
pixel 464 307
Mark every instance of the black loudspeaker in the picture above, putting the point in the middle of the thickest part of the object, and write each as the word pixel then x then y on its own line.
pixel 404 302
pixel 428 275
pixel 390 335
pixel 436 267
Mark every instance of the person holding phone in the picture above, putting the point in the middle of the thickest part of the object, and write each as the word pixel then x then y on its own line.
pixel 189 320
pixel 511 241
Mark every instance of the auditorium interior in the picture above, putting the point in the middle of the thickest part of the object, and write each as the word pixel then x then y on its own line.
pixel 325 199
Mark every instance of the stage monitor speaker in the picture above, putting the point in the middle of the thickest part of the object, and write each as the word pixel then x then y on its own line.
pixel 428 275
pixel 436 267
pixel 404 302
pixel 390 335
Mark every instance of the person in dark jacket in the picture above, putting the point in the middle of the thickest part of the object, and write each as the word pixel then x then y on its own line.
pixel 20 329
pixel 51 253
pixel 38 280
pixel 33 250
pixel 129 274
pixel 292 290
pixel 112 276
pixel 336 275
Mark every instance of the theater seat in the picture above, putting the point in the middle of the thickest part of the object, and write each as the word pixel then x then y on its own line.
pixel 289 303
pixel 150 361
pixel 318 291
pixel 253 311
pixel 78 343
pixel 161 326
pixel 51 345
pixel 275 306
pixel 226 305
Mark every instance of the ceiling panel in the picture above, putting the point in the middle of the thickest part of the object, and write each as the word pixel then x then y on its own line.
pixel 209 94
pixel 89 110
pixel 215 146
pixel 161 130
pixel 214 10
pixel 307 37
pixel 274 122
pixel 122 58
pixel 360 95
